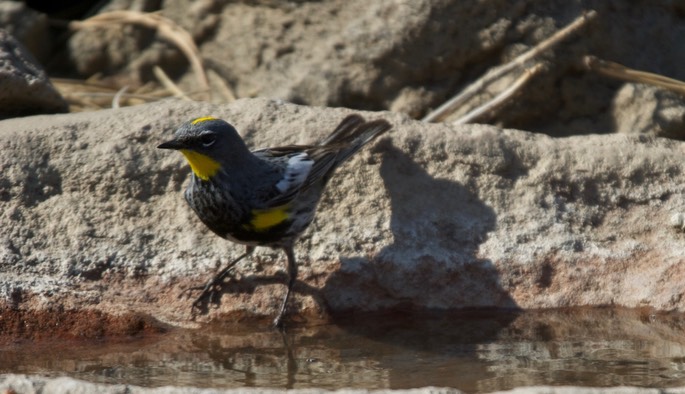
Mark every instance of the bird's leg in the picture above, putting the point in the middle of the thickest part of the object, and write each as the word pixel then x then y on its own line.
pixel 292 275
pixel 211 289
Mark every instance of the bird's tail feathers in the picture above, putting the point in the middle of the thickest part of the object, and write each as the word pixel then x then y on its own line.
pixel 344 130
pixel 353 133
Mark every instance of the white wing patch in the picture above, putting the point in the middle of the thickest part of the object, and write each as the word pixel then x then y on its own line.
pixel 298 168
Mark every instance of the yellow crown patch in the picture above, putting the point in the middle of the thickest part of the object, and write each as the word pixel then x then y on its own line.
pixel 203 119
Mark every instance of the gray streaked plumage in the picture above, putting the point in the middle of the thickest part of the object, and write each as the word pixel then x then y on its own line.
pixel 266 197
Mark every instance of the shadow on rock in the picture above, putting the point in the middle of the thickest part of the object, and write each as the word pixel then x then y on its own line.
pixel 432 266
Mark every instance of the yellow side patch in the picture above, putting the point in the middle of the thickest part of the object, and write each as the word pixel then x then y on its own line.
pixel 203 119
pixel 264 219
pixel 203 166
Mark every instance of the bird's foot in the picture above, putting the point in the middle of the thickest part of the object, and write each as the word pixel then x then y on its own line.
pixel 210 293
pixel 278 322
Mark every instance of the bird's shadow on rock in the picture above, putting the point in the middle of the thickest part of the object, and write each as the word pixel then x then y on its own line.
pixel 432 266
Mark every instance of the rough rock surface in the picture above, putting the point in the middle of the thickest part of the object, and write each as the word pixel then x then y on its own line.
pixel 24 87
pixel 26 384
pixel 431 217
pixel 642 109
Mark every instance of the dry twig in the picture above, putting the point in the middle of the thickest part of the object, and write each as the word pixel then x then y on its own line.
pixel 93 94
pixel 222 86
pixel 168 83
pixel 117 97
pixel 501 98
pixel 619 71
pixel 450 106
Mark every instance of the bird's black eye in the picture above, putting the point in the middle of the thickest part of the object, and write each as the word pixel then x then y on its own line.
pixel 207 139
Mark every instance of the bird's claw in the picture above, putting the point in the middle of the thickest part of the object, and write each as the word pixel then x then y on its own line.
pixel 210 293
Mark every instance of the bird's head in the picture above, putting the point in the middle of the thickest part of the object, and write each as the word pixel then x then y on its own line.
pixel 206 143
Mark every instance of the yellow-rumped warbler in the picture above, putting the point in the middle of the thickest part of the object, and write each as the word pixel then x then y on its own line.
pixel 266 197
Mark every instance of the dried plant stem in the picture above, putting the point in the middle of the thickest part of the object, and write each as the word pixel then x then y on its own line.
pixel 450 106
pixel 117 97
pixel 619 71
pixel 222 86
pixel 166 28
pixel 168 83
pixel 143 97
pixel 501 98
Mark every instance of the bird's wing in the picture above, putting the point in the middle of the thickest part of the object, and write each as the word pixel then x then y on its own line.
pixel 303 165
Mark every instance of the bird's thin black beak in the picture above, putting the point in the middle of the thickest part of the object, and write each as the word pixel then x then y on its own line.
pixel 173 144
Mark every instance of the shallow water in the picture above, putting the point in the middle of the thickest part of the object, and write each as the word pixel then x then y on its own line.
pixel 474 352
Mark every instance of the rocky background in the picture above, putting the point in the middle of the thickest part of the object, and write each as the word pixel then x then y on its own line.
pixel 406 56
pixel 583 208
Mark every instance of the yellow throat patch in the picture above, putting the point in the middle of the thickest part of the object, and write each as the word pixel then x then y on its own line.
pixel 203 166
pixel 264 219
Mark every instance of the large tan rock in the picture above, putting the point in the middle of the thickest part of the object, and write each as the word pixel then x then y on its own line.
pixel 431 217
